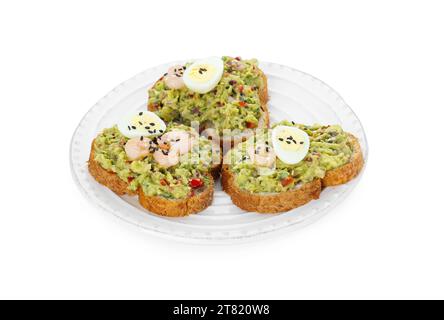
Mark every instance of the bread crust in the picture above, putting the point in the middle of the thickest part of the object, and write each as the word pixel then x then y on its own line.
pixel 107 178
pixel 269 203
pixel 179 207
pixel 263 96
pixel 215 170
pixel 348 171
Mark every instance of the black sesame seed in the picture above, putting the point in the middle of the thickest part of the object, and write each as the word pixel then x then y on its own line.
pixel 141 114
pixel 129 128
pixel 134 127
pixel 280 139
pixel 147 128
pixel 288 142
pixel 302 142
pixel 160 130
pixel 152 124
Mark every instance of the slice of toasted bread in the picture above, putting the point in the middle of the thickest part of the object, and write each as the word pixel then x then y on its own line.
pixel 107 178
pixel 180 207
pixel 158 205
pixel 348 171
pixel 285 201
pixel 273 202
pixel 264 121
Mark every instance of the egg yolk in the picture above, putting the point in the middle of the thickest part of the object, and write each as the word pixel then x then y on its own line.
pixel 202 73
pixel 289 141
pixel 145 122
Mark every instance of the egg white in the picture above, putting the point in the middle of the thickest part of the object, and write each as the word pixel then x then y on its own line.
pixel 281 148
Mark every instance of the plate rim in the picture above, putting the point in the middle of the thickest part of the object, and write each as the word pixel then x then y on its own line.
pixel 263 234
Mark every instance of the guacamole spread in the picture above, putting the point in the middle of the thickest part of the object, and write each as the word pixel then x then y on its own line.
pixel 186 178
pixel 329 149
pixel 233 104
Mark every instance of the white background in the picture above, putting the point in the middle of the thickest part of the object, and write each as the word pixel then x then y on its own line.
pixel 386 58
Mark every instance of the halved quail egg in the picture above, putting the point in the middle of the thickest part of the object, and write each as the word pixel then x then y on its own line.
pixel 291 144
pixel 204 75
pixel 141 124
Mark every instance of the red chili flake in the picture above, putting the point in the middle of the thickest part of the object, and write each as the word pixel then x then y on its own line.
pixel 242 104
pixel 285 182
pixel 240 88
pixel 196 183
pixel 250 125
pixel 238 58
pixel 163 182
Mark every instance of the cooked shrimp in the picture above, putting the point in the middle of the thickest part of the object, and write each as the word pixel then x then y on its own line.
pixel 262 155
pixel 178 140
pixel 137 148
pixel 237 65
pixel 166 158
pixel 174 79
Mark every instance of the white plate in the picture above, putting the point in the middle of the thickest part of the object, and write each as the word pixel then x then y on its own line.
pixel 294 95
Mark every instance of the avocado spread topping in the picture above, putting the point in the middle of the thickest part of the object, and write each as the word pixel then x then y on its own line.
pixel 186 178
pixel 329 149
pixel 233 104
